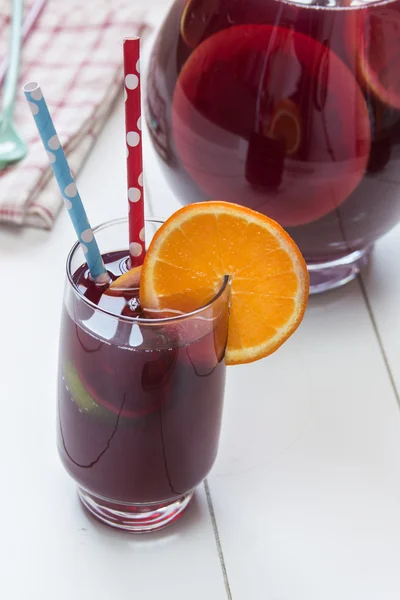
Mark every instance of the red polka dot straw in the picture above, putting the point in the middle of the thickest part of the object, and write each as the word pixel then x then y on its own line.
pixel 134 161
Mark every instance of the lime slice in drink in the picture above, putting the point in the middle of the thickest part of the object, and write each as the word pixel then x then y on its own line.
pixel 81 396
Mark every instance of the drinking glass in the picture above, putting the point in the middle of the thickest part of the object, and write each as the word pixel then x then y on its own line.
pixel 139 399
pixel 291 108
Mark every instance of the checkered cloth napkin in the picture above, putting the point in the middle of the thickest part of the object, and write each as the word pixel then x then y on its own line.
pixel 75 52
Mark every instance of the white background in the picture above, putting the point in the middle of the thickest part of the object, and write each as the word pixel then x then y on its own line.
pixel 304 499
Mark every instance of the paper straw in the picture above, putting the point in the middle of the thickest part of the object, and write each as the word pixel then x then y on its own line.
pixel 65 181
pixel 134 160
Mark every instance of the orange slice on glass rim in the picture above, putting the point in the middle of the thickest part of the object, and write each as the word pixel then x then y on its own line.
pixel 379 54
pixel 198 245
pixel 285 125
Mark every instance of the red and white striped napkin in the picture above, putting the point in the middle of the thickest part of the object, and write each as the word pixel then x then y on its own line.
pixel 75 52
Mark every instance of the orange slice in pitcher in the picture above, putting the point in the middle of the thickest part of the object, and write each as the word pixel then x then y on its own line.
pixel 285 125
pixel 379 56
pixel 201 243
pixel 195 18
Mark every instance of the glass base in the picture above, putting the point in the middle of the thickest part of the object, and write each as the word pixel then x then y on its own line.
pixel 137 518
pixel 330 275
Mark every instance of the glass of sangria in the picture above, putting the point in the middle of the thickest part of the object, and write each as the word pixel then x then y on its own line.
pixel 140 399
pixel 291 108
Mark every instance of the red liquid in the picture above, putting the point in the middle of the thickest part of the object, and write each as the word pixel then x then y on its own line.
pixel 135 425
pixel 291 110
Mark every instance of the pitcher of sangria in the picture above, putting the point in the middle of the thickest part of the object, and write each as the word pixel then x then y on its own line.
pixel 289 108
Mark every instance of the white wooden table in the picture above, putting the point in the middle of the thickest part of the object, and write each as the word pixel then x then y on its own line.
pixel 304 500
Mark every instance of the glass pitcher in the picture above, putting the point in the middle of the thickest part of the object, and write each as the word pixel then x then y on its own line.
pixel 289 108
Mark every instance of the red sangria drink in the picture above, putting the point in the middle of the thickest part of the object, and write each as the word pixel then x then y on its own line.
pixel 289 108
pixel 140 399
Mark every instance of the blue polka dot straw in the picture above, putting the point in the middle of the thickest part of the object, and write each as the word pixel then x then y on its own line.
pixel 65 181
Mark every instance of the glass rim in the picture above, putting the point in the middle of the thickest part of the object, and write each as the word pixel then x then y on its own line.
pixel 313 5
pixel 127 319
